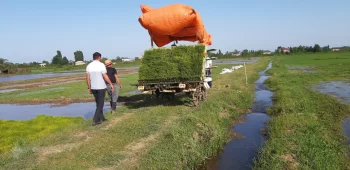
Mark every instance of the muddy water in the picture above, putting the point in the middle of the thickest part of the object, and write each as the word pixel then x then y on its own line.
pixel 26 112
pixel 240 153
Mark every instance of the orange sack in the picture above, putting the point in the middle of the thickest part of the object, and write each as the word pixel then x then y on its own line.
pixel 173 23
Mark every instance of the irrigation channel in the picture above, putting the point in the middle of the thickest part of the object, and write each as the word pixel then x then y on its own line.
pixel 240 153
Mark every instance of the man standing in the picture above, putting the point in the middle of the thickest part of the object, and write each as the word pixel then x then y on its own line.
pixel 208 71
pixel 113 76
pixel 95 79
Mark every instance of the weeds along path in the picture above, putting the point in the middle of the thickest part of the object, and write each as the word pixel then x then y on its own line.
pixel 305 131
pixel 147 134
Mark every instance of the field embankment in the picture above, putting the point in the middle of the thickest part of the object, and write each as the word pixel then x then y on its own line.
pixel 305 131
pixel 147 134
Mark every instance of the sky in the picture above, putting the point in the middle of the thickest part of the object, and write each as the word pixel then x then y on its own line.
pixel 34 30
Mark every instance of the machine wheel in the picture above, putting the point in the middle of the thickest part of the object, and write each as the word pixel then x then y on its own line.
pixel 203 93
pixel 157 93
pixel 196 96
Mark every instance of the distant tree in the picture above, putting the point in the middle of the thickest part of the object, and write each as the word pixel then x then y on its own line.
pixel 3 60
pixel 64 61
pixel 219 52
pixel 78 56
pixel 57 59
pixel 46 62
pixel 245 52
pixel 317 48
pixel 118 59
pixel 137 59
pixel 104 59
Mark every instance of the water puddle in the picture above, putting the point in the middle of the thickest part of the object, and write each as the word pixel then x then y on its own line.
pixel 26 112
pixel 41 91
pixel 240 153
pixel 337 89
pixel 305 69
pixel 9 78
pixel 346 129
pixel 8 90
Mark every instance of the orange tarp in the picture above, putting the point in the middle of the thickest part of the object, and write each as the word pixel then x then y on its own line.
pixel 175 22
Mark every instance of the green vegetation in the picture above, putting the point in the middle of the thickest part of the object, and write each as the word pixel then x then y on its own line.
pixel 148 134
pixel 78 56
pixel 76 90
pixel 305 131
pixel 19 133
pixel 179 63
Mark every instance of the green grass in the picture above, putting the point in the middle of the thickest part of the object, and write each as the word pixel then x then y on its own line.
pixel 75 90
pixel 150 134
pixel 177 63
pixel 19 133
pixel 305 131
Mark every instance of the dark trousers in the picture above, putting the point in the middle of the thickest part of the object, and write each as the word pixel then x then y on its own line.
pixel 210 84
pixel 100 101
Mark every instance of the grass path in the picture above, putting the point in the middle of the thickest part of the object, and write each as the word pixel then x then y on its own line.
pixel 146 135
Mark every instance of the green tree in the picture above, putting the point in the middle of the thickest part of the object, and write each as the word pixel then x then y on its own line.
pixel 316 48
pixel 118 59
pixel 57 59
pixel 2 60
pixel 46 62
pixel 245 52
pixel 137 59
pixel 78 56
pixel 64 61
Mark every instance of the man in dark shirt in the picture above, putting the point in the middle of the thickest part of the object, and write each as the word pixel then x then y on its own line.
pixel 113 76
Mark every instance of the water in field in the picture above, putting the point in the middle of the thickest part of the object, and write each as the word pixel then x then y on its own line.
pixel 26 112
pixel 8 90
pixel 240 153
pixel 8 78
pixel 341 91
pixel 236 61
pixel 337 89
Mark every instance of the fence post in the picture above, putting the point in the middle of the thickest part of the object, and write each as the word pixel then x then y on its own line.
pixel 245 71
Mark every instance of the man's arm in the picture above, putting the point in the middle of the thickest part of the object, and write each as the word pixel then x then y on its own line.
pixel 105 76
pixel 88 82
pixel 118 80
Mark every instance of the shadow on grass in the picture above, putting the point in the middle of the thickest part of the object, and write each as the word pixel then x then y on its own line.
pixel 147 100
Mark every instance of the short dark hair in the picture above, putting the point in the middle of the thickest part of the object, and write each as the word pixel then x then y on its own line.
pixel 96 55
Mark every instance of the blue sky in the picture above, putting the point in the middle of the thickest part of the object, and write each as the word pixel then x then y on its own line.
pixel 33 30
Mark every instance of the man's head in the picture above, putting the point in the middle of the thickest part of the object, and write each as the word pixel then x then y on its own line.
pixel 97 56
pixel 108 63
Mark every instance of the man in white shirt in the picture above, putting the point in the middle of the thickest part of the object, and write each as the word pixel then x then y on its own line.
pixel 208 70
pixel 96 73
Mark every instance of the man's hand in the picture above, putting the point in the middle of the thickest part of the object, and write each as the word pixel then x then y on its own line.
pixel 112 87
pixel 121 86
pixel 89 91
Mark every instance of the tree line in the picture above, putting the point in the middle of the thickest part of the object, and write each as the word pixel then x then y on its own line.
pixel 238 54
pixel 310 49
